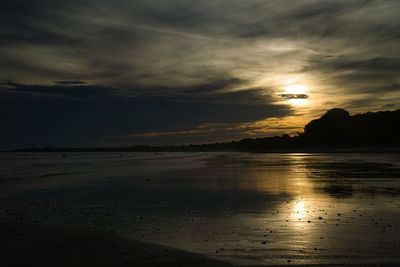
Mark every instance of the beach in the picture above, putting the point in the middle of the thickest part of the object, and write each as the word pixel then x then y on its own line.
pixel 199 209
pixel 39 245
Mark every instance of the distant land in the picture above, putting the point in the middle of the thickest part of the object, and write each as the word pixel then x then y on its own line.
pixel 335 131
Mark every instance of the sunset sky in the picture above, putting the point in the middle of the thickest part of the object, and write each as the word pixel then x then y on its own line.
pixel 130 72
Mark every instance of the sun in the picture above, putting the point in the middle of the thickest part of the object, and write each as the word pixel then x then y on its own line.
pixel 295 89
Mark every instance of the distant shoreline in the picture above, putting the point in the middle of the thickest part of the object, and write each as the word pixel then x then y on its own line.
pixel 203 148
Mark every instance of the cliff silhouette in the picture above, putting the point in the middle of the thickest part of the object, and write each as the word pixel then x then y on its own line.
pixel 335 130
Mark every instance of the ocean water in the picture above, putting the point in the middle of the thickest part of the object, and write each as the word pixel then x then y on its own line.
pixel 245 208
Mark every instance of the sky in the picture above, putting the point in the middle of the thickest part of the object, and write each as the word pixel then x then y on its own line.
pixel 147 72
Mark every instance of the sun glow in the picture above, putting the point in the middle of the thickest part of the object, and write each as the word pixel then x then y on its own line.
pixel 296 94
pixel 297 102
pixel 295 89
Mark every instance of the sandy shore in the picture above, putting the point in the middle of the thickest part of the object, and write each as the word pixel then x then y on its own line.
pixel 65 246
pixel 34 245
pixel 302 210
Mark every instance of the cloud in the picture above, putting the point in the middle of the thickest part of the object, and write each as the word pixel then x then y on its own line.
pixel 69 82
pixel 391 106
pixel 129 44
pixel 294 96
pixel 70 89
pixel 369 78
pixel 201 62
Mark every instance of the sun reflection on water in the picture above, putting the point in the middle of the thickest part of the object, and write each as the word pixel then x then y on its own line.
pixel 299 210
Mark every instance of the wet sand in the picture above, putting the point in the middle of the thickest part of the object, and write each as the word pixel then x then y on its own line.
pixel 49 246
pixel 233 208
pixel 34 245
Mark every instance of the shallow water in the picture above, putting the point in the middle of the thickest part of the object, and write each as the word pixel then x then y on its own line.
pixel 241 207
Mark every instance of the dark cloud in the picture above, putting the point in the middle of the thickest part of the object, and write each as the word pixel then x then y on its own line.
pixel 69 89
pixel 69 82
pixel 303 20
pixel 294 96
pixel 250 96
pixel 378 65
pixel 391 106
pixel 374 76
pixel 215 84
pixel 28 22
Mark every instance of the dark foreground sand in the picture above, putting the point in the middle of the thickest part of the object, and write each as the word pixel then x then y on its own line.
pixel 66 246
pixel 22 245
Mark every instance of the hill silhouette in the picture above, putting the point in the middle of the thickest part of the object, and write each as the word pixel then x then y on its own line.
pixel 336 129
